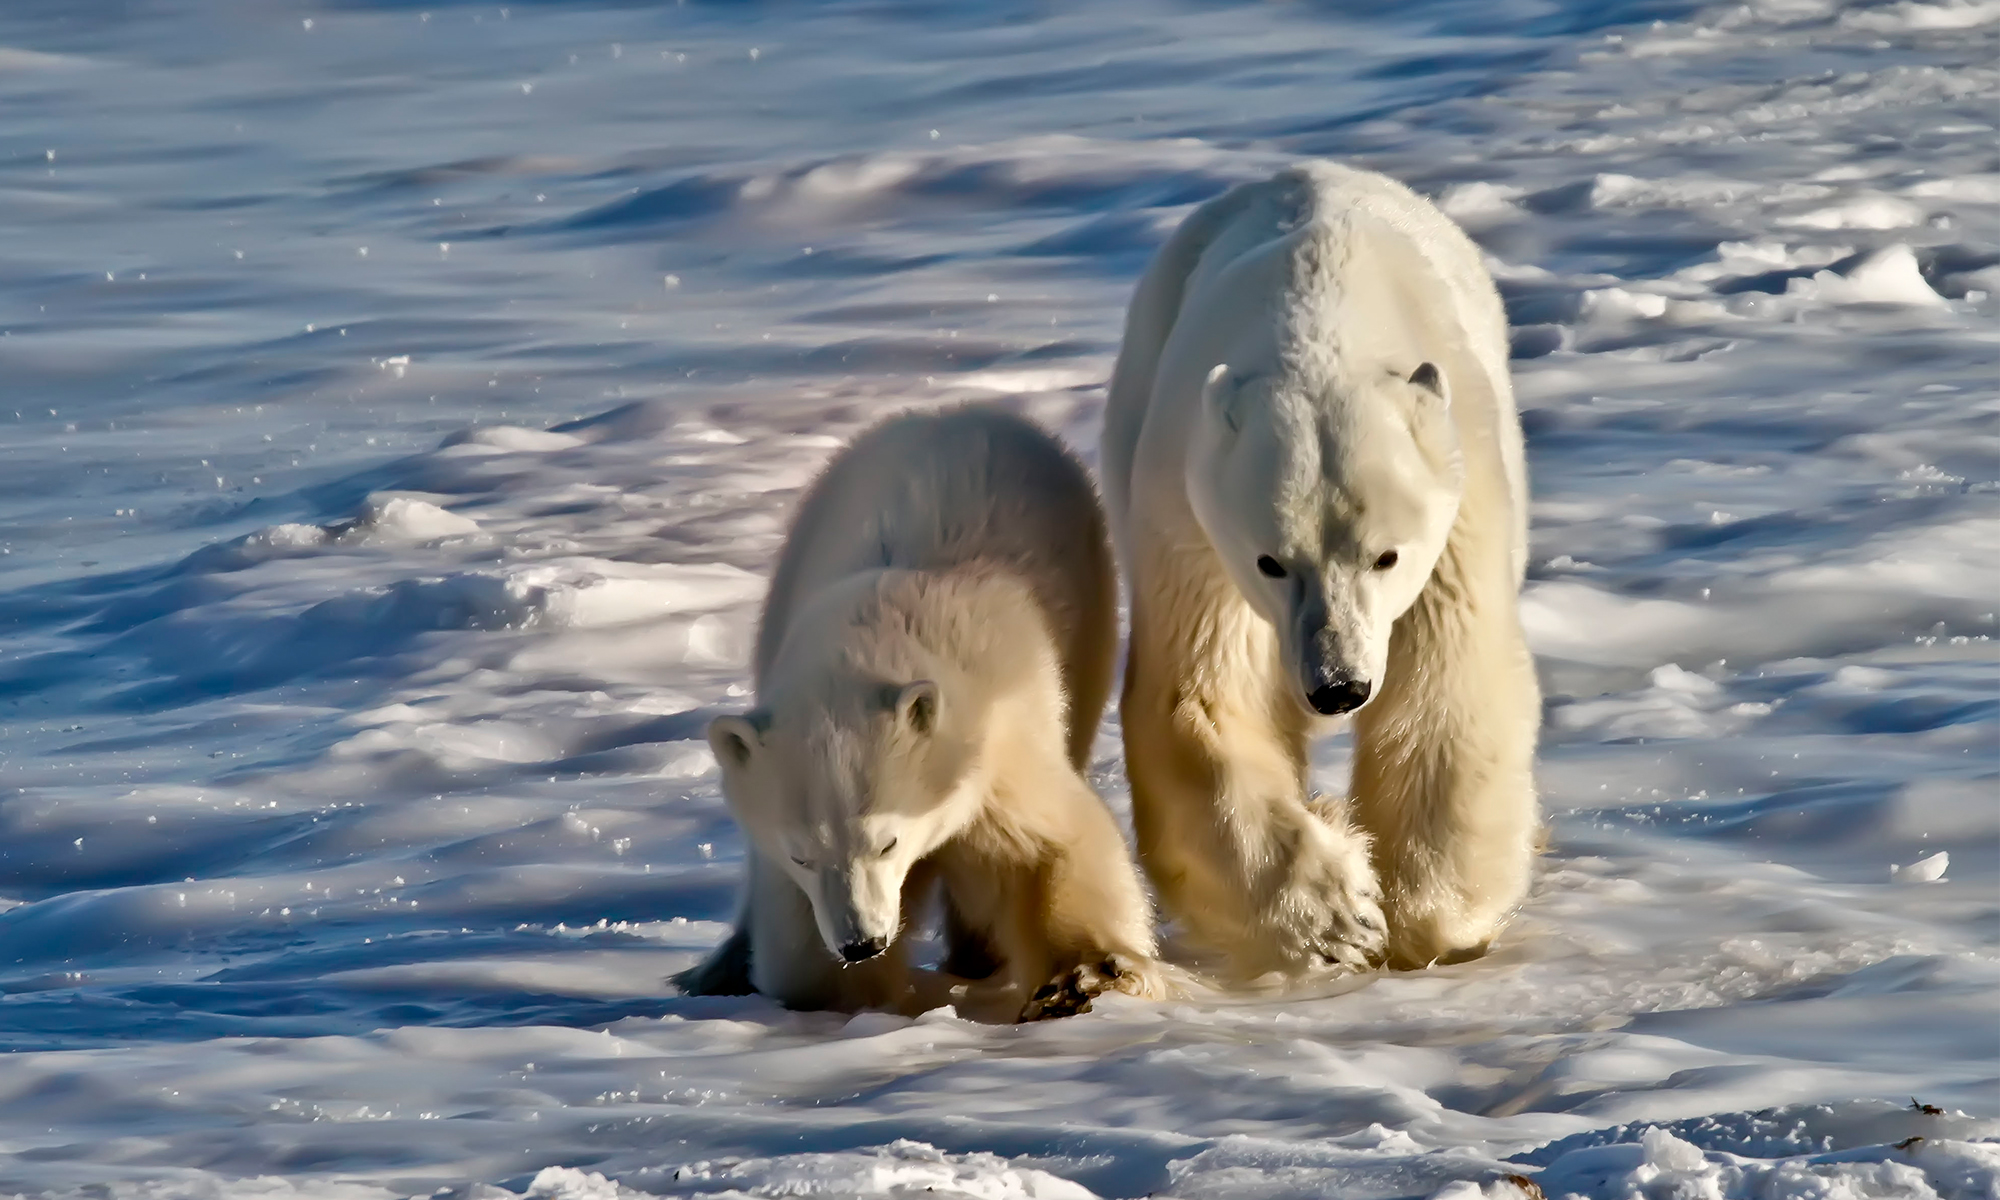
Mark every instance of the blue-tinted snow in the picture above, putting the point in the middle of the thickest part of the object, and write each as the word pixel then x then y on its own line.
pixel 401 403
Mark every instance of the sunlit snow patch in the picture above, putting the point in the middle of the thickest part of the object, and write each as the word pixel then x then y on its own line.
pixel 903 1169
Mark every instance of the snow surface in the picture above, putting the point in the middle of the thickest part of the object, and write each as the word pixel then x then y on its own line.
pixel 402 405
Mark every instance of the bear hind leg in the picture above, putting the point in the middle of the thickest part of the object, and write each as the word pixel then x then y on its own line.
pixel 726 970
pixel 970 951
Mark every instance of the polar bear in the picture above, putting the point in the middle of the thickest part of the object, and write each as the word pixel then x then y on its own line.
pixel 1315 474
pixel 934 656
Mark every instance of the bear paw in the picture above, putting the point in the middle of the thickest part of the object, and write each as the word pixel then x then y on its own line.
pixel 1329 915
pixel 1071 992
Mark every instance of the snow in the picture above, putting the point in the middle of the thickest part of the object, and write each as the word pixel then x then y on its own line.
pixel 360 613
pixel 1664 1164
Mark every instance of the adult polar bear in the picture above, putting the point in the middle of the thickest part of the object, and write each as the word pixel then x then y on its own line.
pixel 1315 474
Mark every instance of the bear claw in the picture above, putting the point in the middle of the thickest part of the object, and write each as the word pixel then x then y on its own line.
pixel 1070 993
pixel 1354 938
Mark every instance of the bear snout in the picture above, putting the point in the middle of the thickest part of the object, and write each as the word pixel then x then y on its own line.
pixel 1334 697
pixel 1327 677
pixel 863 950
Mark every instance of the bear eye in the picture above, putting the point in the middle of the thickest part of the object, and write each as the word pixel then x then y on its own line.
pixel 1387 560
pixel 889 847
pixel 1271 566
pixel 802 862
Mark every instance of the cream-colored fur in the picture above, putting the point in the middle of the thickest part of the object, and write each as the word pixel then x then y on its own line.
pixel 934 657
pixel 1315 475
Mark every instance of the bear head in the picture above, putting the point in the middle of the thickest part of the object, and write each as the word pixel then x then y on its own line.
pixel 1329 504
pixel 847 775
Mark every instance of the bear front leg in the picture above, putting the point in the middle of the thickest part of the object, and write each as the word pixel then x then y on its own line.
pixel 1052 883
pixel 1444 778
pixel 1240 858
pixel 1086 906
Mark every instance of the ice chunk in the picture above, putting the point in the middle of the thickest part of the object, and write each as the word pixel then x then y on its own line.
pixel 1898 18
pixel 1887 276
pixel 513 437
pixel 1665 1152
pixel 1925 870
pixel 1861 212
pixel 1479 205
pixel 568 1183
pixel 406 519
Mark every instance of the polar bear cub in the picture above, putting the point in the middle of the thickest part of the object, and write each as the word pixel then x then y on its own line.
pixel 1316 482
pixel 934 656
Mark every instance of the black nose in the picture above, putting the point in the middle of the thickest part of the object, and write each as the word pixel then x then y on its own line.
pixel 855 952
pixel 1332 699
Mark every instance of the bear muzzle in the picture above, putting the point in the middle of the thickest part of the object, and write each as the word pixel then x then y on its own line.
pixel 1326 679
pixel 857 909
pixel 1334 697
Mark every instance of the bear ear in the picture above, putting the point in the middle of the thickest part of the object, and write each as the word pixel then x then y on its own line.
pixel 735 740
pixel 916 706
pixel 1219 395
pixel 1430 419
pixel 1430 379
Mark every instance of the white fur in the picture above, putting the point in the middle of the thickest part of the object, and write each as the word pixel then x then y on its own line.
pixel 1314 372
pixel 935 653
